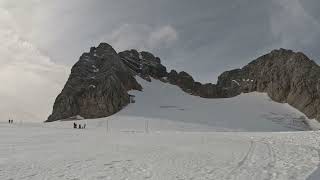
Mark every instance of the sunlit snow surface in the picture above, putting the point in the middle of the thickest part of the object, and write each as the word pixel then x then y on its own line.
pixel 166 135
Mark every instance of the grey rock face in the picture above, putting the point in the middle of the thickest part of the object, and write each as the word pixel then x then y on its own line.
pixel 286 76
pixel 173 77
pixel 188 85
pixel 144 64
pixel 185 82
pixel 97 86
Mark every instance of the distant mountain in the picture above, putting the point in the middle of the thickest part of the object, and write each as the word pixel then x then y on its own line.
pixel 99 82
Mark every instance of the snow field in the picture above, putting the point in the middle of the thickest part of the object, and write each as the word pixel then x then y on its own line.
pixel 182 142
pixel 37 151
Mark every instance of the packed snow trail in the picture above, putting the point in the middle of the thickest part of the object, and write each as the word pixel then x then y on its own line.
pixel 56 151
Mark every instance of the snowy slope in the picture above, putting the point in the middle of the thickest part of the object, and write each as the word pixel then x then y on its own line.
pixel 164 104
pixel 56 151
pixel 180 143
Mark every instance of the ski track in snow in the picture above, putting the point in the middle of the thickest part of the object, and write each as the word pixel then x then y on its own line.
pixel 54 151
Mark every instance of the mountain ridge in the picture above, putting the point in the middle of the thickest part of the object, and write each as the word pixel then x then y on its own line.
pixel 283 74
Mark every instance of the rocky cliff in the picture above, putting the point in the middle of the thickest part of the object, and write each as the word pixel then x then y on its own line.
pixel 97 86
pixel 286 76
pixel 99 81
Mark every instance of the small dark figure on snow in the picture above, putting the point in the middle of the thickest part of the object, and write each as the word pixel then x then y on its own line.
pixel 84 126
pixel 79 126
pixel 75 125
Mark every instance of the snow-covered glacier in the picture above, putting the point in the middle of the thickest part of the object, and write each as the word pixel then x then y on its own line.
pixel 167 134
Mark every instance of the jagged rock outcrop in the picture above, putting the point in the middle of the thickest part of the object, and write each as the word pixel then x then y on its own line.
pixel 97 86
pixel 144 63
pixel 183 80
pixel 99 81
pixel 286 76
pixel 209 90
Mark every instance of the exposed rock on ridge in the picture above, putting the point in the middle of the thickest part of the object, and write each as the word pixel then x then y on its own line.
pixel 286 76
pixel 99 81
pixel 97 86
pixel 146 65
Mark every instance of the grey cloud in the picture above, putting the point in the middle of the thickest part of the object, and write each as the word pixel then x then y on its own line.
pixel 203 37
pixel 141 37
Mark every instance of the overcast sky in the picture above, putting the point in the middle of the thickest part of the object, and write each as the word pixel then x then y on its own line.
pixel 42 39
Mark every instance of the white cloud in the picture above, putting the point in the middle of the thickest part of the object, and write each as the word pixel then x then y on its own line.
pixel 29 80
pixel 141 36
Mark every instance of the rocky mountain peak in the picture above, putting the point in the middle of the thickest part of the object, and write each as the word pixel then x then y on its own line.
pixel 286 76
pixel 99 81
pixel 97 86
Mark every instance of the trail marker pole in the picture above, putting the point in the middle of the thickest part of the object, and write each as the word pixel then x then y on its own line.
pixel 107 126
pixel 146 126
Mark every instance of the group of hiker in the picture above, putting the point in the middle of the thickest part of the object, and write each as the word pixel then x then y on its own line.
pixel 10 121
pixel 76 126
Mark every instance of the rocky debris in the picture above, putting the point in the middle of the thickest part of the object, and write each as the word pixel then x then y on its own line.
pixel 97 86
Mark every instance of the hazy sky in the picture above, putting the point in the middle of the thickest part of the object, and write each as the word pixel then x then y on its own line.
pixel 42 39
